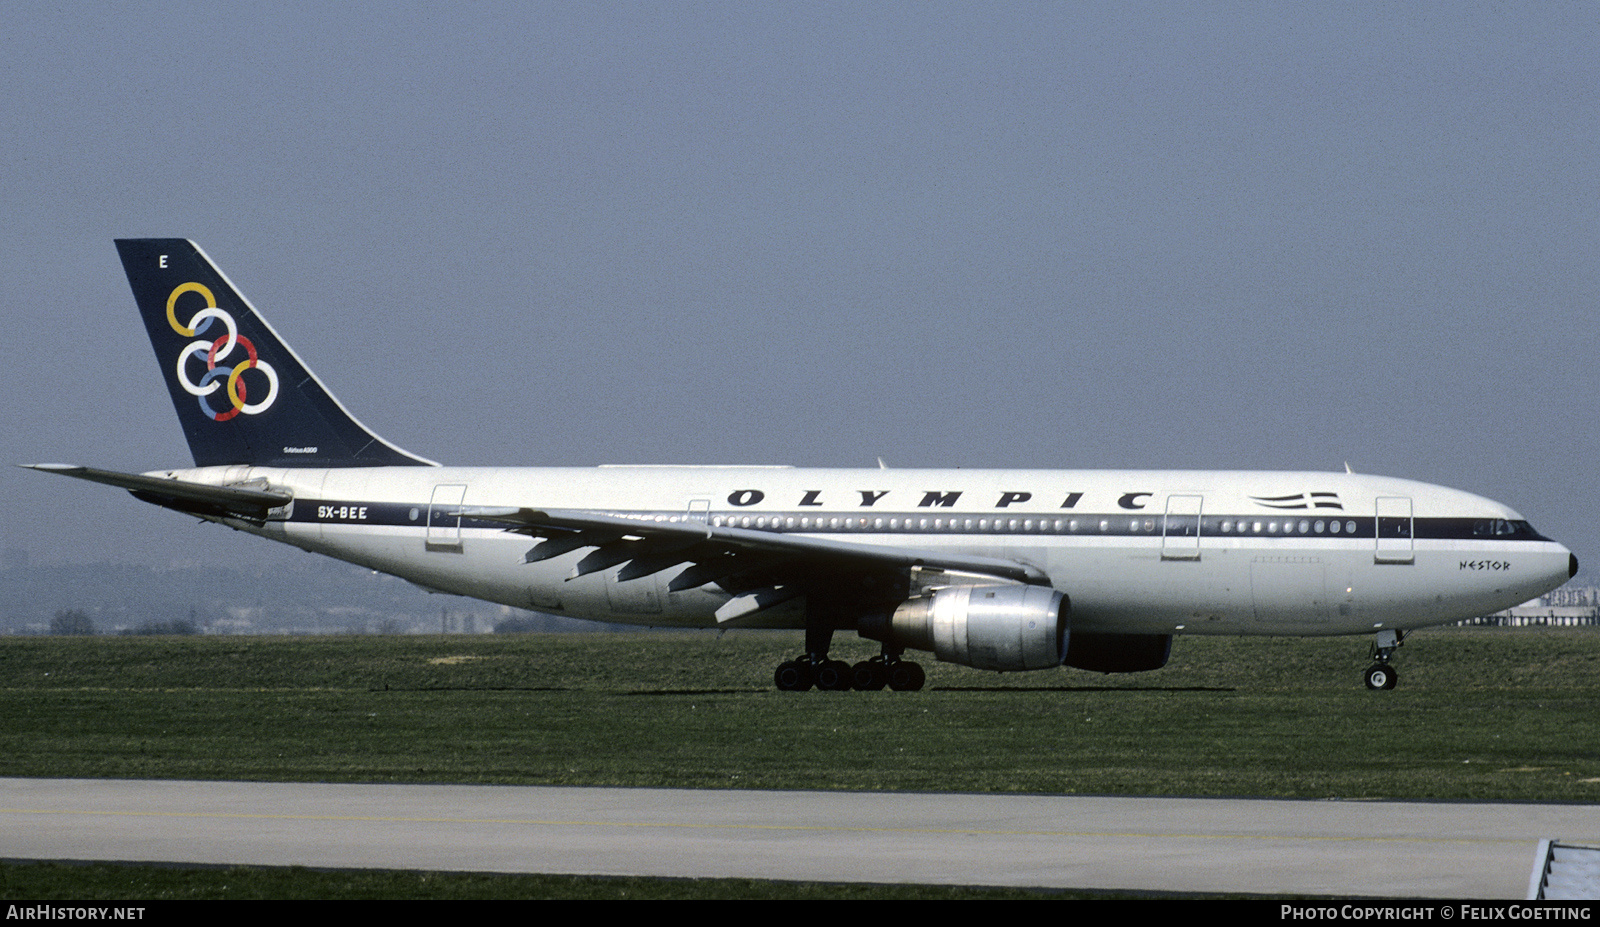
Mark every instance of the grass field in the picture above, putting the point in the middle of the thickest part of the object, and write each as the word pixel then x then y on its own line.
pixel 1481 714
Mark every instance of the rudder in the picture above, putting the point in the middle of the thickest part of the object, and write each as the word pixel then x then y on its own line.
pixel 241 394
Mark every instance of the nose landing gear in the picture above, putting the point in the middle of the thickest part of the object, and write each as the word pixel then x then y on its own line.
pixel 1380 675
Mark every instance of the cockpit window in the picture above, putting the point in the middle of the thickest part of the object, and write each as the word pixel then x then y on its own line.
pixel 1503 528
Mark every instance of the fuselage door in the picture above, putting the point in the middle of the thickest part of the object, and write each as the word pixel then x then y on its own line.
pixel 699 511
pixel 1394 534
pixel 444 520
pixel 1180 529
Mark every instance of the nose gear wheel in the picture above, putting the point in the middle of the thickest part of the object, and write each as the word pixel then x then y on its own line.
pixel 1380 675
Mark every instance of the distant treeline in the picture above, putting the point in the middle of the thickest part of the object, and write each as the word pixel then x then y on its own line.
pixel 75 622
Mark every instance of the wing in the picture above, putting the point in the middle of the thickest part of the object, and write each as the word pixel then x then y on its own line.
pixel 195 498
pixel 759 569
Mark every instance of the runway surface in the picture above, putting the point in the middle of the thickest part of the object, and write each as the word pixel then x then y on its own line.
pixel 1389 849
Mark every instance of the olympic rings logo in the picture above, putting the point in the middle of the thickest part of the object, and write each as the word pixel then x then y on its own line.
pixel 215 351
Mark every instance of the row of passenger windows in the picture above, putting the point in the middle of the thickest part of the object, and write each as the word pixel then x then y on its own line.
pixel 1107 525
pixel 1012 525
pixel 1289 526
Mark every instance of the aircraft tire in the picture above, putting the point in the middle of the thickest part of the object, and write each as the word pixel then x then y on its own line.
pixel 793 676
pixel 869 676
pixel 1381 676
pixel 906 676
pixel 834 676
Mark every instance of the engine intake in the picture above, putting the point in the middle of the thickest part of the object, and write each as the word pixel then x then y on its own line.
pixel 1000 627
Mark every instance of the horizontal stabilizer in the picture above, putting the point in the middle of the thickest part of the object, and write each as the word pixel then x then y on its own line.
pixel 194 498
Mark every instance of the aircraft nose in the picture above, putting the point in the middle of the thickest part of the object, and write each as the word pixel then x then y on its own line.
pixel 1572 565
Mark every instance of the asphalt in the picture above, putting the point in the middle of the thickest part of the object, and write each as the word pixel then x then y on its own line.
pixel 1372 849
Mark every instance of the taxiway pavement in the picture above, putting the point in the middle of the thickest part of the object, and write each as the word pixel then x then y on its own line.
pixel 1385 849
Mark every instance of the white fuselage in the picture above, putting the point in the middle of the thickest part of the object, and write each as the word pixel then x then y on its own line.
pixel 1139 552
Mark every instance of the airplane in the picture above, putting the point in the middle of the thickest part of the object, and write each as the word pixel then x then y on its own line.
pixel 1003 570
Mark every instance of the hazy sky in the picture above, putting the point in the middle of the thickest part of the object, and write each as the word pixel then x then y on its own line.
pixel 1256 236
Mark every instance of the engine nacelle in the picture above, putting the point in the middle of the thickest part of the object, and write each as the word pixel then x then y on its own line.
pixel 998 627
pixel 1119 653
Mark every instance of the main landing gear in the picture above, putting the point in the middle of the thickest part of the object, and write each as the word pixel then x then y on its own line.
pixel 884 670
pixel 813 668
pixel 1380 675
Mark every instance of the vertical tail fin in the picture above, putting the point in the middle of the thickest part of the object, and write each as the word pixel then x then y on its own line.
pixel 242 395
